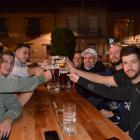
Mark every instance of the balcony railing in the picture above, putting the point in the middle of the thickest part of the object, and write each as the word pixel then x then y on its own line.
pixel 3 32
pixel 87 31
pixel 33 31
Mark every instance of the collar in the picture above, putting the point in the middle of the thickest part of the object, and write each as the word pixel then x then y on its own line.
pixel 18 62
pixel 7 77
pixel 89 68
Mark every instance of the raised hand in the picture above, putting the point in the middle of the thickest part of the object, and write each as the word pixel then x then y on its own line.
pixel 47 75
pixel 73 76
pixel 39 71
pixel 70 65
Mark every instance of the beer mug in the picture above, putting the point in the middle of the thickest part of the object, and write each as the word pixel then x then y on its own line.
pixel 54 82
pixel 63 58
pixel 60 63
pixel 63 78
pixel 69 119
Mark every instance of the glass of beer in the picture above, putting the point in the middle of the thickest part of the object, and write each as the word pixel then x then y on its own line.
pixel 60 63
pixel 63 78
pixel 54 82
pixel 63 58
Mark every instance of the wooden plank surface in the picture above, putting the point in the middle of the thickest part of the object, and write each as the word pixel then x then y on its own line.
pixel 38 116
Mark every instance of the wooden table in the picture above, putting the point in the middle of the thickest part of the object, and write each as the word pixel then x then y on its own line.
pixel 38 116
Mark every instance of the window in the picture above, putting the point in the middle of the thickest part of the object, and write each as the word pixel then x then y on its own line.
pixel 123 28
pixel 93 26
pixel 48 48
pixel 92 22
pixel 33 28
pixel 72 23
pixel 3 28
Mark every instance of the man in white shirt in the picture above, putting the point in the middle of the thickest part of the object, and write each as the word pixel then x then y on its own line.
pixel 21 57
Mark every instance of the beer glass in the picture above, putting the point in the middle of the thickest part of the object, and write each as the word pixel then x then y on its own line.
pixel 54 82
pixel 63 58
pixel 69 119
pixel 60 63
pixel 63 78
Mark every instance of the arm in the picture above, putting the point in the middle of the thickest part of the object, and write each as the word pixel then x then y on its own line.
pixel 24 97
pixel 14 110
pixel 23 71
pixel 5 128
pixel 93 76
pixel 19 71
pixel 119 93
pixel 32 71
pixel 23 84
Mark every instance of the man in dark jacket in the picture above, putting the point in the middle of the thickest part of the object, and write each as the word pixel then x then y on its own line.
pixel 90 65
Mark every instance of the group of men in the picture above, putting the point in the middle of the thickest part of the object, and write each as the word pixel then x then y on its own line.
pixel 14 77
pixel 128 81
pixel 91 81
pixel 92 62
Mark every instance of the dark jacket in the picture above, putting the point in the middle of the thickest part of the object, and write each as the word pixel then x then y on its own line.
pixel 83 91
pixel 128 94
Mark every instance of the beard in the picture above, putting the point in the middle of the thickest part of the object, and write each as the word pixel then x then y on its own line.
pixel 137 73
pixel 116 63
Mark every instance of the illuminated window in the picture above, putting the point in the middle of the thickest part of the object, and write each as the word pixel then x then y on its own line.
pixel 123 28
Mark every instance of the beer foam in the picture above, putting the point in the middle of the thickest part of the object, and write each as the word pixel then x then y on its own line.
pixel 60 61
pixel 52 67
pixel 64 72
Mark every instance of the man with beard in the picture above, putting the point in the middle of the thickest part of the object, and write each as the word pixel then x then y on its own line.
pixel 131 64
pixel 114 110
pixel 130 75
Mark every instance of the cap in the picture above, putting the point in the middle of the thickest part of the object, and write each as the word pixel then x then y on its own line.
pixel 89 50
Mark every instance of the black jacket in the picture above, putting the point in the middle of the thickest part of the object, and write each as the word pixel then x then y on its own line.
pixel 128 94
pixel 83 91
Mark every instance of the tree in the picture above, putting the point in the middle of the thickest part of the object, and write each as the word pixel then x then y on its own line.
pixel 63 42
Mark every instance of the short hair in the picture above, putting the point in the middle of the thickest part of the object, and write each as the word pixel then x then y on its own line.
pixel 79 51
pixel 130 50
pixel 22 45
pixel 8 52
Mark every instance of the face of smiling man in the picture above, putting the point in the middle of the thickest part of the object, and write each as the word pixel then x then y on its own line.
pixel 23 54
pixel 115 55
pixel 89 60
pixel 131 66
pixel 7 65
